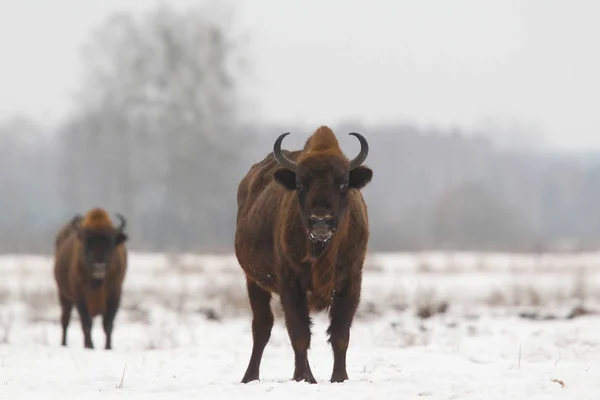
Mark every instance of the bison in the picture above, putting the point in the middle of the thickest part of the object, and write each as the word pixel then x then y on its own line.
pixel 89 269
pixel 302 232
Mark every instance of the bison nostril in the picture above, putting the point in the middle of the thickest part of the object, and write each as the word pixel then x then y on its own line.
pixel 320 220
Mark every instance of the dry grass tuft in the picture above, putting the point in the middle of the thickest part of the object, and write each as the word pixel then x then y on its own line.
pixel 561 383
pixel 210 314
pixel 5 331
pixel 424 267
pixel 579 311
pixel 575 312
pixel 120 385
pixel 136 313
pixel 427 304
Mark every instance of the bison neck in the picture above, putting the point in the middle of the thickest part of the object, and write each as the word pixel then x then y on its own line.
pixel 96 283
pixel 95 299
pixel 316 261
pixel 322 259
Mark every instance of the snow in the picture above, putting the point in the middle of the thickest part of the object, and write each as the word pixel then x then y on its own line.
pixel 184 331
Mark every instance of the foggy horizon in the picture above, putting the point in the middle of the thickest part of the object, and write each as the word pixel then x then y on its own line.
pixel 523 67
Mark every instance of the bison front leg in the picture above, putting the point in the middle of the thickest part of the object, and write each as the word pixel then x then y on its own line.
pixel 297 320
pixel 86 324
pixel 342 312
pixel 262 324
pixel 66 306
pixel 112 306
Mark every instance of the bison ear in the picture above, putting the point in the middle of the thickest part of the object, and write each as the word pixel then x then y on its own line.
pixel 121 238
pixel 285 178
pixel 360 177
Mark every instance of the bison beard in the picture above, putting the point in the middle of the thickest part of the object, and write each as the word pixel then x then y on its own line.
pixel 315 249
pixel 280 254
pixel 321 256
pixel 96 283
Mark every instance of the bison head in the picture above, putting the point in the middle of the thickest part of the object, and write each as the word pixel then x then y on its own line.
pixel 99 243
pixel 322 181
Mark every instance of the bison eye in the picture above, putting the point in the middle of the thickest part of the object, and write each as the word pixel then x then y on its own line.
pixel 299 187
pixel 344 188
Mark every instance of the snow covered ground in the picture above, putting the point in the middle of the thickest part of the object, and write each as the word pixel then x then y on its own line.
pixel 431 325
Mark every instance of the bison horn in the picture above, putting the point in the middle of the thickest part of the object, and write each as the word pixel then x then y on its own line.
pixel 75 222
pixel 364 151
pixel 123 222
pixel 280 157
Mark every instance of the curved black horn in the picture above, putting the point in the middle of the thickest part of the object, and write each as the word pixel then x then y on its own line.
pixel 75 222
pixel 123 222
pixel 280 157
pixel 364 151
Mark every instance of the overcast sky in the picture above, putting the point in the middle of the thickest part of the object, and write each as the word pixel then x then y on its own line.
pixel 442 63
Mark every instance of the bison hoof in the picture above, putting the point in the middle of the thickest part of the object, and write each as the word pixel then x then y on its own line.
pixel 339 377
pixel 251 374
pixel 249 379
pixel 306 378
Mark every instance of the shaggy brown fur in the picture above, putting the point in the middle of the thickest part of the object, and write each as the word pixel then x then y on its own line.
pixel 274 246
pixel 89 269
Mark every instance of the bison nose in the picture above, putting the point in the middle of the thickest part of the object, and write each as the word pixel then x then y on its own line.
pixel 320 222
pixel 99 270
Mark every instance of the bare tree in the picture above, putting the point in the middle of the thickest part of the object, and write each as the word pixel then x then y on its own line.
pixel 157 123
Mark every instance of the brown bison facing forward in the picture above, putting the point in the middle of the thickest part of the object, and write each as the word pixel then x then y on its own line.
pixel 89 268
pixel 302 232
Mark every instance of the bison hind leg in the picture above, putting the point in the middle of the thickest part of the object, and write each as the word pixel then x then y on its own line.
pixel 262 324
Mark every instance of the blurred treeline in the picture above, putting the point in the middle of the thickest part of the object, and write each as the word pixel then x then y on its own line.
pixel 157 134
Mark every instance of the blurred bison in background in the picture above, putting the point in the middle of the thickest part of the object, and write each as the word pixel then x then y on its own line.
pixel 89 268
pixel 302 232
